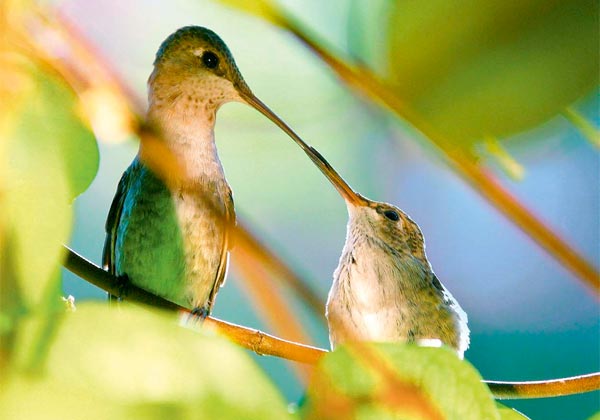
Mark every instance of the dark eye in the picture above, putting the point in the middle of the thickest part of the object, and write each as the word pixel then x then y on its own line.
pixel 392 215
pixel 210 59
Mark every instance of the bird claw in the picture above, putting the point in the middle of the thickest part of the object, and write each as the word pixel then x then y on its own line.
pixel 199 313
pixel 122 286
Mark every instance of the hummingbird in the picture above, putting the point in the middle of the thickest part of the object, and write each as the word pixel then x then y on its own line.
pixel 174 240
pixel 384 288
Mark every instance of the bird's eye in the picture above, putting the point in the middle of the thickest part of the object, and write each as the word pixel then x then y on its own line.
pixel 392 215
pixel 210 59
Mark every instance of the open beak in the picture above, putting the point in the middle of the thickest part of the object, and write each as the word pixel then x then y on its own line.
pixel 338 182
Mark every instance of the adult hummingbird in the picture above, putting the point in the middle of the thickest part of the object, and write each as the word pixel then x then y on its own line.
pixel 384 288
pixel 174 241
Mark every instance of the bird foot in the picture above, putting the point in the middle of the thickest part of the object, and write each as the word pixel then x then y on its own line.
pixel 198 314
pixel 122 285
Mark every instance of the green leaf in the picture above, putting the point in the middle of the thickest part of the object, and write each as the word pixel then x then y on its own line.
pixel 49 157
pixel 264 9
pixel 49 127
pixel 500 68
pixel 477 68
pixel 507 413
pixel 144 361
pixel 49 399
pixel 347 386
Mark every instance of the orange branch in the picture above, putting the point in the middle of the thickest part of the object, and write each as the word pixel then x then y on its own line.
pixel 257 341
pixel 269 303
pixel 545 389
pixel 280 271
pixel 265 344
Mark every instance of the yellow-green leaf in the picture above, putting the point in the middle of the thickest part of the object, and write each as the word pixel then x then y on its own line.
pixel 346 385
pixel 507 413
pixel 478 67
pixel 142 359
pixel 260 8
pixel 31 398
pixel 48 157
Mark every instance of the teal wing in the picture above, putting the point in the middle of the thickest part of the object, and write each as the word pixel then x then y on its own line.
pixel 229 223
pixel 112 224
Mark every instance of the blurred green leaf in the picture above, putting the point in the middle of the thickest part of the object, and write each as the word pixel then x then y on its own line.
pixel 366 40
pixel 492 67
pixel 345 385
pixel 595 416
pixel 259 8
pixel 27 398
pixel 477 68
pixel 49 158
pixel 144 361
pixel 507 413
pixel 49 126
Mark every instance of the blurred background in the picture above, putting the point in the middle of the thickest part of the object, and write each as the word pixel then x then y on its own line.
pixel 530 318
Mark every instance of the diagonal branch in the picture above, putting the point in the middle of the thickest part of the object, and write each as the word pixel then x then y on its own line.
pixel 482 180
pixel 265 344
pixel 281 271
pixel 363 81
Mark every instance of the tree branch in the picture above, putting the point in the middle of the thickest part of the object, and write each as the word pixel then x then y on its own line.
pixel 266 344
pixel 255 340
pixel 545 389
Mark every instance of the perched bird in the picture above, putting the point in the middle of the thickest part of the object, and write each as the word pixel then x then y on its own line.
pixel 384 288
pixel 174 241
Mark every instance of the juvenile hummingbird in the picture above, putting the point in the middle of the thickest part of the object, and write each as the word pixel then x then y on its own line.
pixel 175 241
pixel 384 288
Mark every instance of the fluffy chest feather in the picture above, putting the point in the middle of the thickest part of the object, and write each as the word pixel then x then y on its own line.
pixel 378 296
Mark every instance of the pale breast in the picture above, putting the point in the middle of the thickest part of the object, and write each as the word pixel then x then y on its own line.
pixel 362 304
pixel 378 298
pixel 202 219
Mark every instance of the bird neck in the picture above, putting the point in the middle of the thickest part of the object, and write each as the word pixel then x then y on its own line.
pixel 187 125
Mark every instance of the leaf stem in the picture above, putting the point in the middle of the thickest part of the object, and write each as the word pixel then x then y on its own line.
pixel 591 133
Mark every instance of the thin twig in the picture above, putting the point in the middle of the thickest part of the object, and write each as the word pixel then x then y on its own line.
pixel 545 389
pixel 265 344
pixel 591 133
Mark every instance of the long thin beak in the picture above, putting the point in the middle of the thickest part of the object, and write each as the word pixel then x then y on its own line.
pixel 338 182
